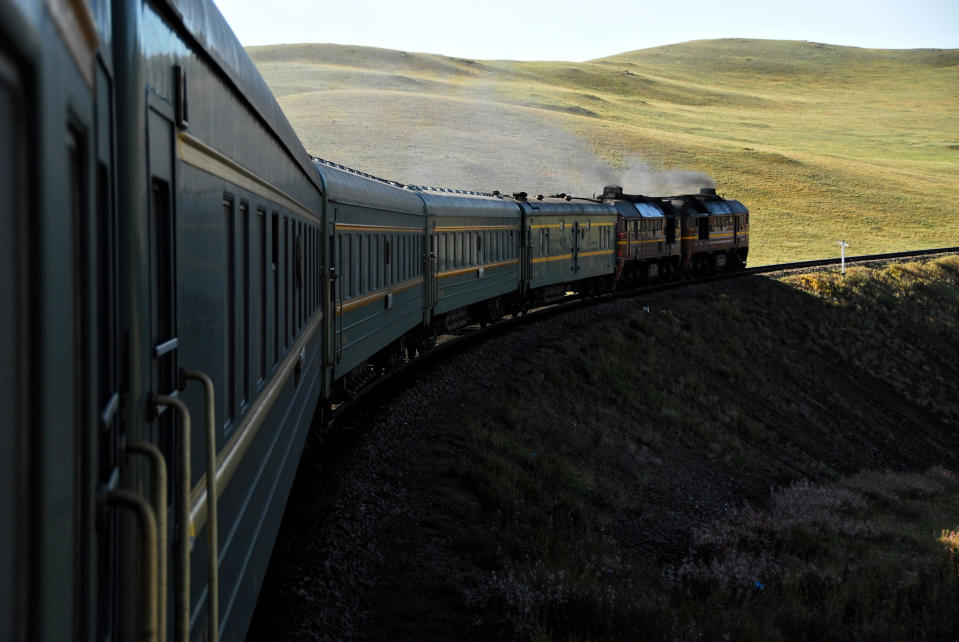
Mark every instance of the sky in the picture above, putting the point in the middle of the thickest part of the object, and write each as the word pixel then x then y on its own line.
pixel 585 29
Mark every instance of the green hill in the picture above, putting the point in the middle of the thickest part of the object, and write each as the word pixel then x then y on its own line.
pixel 821 142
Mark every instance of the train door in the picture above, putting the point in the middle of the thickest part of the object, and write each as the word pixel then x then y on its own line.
pixel 574 249
pixel 164 355
pixel 430 268
pixel 107 456
pixel 339 257
pixel 526 249
pixel 736 219
pixel 14 323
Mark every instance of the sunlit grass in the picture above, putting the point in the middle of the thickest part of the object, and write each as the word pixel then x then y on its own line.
pixel 821 142
pixel 951 539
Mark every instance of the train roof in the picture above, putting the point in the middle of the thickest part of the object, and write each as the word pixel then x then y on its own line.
pixel 207 26
pixel 561 206
pixel 450 202
pixel 352 187
pixel 640 209
pixel 699 204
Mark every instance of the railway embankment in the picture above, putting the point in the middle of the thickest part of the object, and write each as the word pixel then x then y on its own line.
pixel 761 458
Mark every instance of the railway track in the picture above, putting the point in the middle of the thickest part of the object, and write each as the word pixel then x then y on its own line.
pixel 472 334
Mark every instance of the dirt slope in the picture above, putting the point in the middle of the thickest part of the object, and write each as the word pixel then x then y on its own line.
pixel 761 459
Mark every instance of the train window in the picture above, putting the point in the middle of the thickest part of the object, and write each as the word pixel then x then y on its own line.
pixel 379 261
pixel 296 275
pixel 301 274
pixel 352 266
pixel 387 260
pixel 260 288
pixel 378 257
pixel 361 259
pixel 317 267
pixel 370 262
pixel 275 252
pixel 342 267
pixel 309 272
pixel 310 258
pixel 314 269
pixel 299 264
pixel 385 266
pixel 244 307
pixel 288 280
pixel 230 311
pixel 384 272
pixel 374 273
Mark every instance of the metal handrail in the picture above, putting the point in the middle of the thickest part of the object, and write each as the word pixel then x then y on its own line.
pixel 159 469
pixel 213 559
pixel 148 531
pixel 182 616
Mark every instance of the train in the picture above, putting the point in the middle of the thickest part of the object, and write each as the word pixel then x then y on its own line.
pixel 185 290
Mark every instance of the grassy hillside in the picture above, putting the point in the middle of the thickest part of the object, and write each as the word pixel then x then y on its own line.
pixel 763 459
pixel 821 142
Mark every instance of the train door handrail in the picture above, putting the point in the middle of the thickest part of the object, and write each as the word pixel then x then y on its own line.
pixel 213 559
pixel 159 483
pixel 182 614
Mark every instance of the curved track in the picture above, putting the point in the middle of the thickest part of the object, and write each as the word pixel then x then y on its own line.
pixel 449 344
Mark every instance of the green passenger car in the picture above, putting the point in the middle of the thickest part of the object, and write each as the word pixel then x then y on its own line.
pixel 569 246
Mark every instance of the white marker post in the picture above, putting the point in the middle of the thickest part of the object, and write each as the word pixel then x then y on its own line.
pixel 843 245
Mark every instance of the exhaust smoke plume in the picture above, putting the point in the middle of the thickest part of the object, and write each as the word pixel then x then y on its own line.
pixel 461 135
